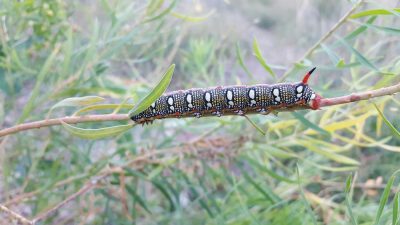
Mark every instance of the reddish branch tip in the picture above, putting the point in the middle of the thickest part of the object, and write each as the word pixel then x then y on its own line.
pixel 307 76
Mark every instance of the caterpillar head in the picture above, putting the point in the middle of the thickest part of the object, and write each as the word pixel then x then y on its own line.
pixel 304 92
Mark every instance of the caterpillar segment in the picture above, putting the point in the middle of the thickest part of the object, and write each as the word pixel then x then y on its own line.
pixel 232 100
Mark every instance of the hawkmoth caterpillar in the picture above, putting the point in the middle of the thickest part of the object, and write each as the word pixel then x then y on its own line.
pixel 232 100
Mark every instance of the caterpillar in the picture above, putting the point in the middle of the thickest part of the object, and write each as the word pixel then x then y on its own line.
pixel 232 100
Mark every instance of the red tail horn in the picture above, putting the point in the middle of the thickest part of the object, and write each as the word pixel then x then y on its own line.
pixel 307 76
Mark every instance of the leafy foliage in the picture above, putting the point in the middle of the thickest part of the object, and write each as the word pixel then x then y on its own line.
pixel 290 169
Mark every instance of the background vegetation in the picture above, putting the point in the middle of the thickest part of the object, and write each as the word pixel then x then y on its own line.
pixel 329 166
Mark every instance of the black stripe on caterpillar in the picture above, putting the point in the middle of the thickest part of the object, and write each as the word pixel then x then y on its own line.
pixel 231 100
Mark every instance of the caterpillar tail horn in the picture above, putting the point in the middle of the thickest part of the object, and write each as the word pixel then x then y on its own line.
pixel 307 76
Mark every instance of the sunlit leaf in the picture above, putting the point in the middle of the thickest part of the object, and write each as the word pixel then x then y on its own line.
pixel 395 216
pixel 155 93
pixel 348 200
pixel 260 58
pixel 374 12
pixel 102 107
pixel 192 18
pixel 96 133
pixel 255 125
pixel 310 124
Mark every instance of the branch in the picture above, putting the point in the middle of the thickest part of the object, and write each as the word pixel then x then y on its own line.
pixel 123 117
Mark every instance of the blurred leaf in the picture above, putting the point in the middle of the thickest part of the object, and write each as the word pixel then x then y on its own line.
pixel 258 54
pixel 330 155
pixel 360 30
pixel 241 63
pixel 155 93
pixel 163 13
pixel 348 199
pixel 192 18
pixel 361 58
pixel 338 62
pixel 310 124
pixel 255 125
pixel 265 191
pixel 385 197
pixel 76 102
pixel 303 197
pixel 137 198
pixel 96 133
pixel 374 12
pixel 395 132
pixel 41 77
pixel 153 6
pixel 395 210
pixel 388 30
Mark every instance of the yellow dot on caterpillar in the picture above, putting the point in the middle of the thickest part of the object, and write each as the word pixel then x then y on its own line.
pixel 207 96
pixel 275 92
pixel 252 94
pixel 229 95
pixel 170 101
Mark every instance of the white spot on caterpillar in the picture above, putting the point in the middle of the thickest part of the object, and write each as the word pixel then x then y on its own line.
pixel 190 105
pixel 231 103
pixel 170 101
pixel 299 95
pixel 207 96
pixel 312 96
pixel 252 94
pixel 253 102
pixel 172 108
pixel 209 105
pixel 277 99
pixel 189 98
pixel 299 89
pixel 153 105
pixel 154 111
pixel 229 95
pixel 275 92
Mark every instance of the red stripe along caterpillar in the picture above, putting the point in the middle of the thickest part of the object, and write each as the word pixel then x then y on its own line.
pixel 232 100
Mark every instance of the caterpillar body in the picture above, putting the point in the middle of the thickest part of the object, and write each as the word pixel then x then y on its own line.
pixel 231 100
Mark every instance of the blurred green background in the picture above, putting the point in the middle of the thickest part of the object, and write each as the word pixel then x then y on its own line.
pixel 208 170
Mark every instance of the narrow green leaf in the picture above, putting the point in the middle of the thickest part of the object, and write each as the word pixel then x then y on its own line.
pixel 255 125
pixel 332 56
pixel 241 62
pixel 348 200
pixel 385 197
pixel 155 93
pixel 359 30
pixel 102 106
pixel 374 12
pixel 310 124
pixel 260 58
pixel 137 198
pixel 153 6
pixel 395 211
pixel 163 13
pixel 193 19
pixel 303 197
pixel 388 30
pixel 40 79
pixel 388 123
pixel 76 102
pixel 360 57
pixel 96 133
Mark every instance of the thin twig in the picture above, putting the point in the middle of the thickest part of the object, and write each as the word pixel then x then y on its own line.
pixel 93 183
pixel 123 117
pixel 323 38
pixel 15 215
